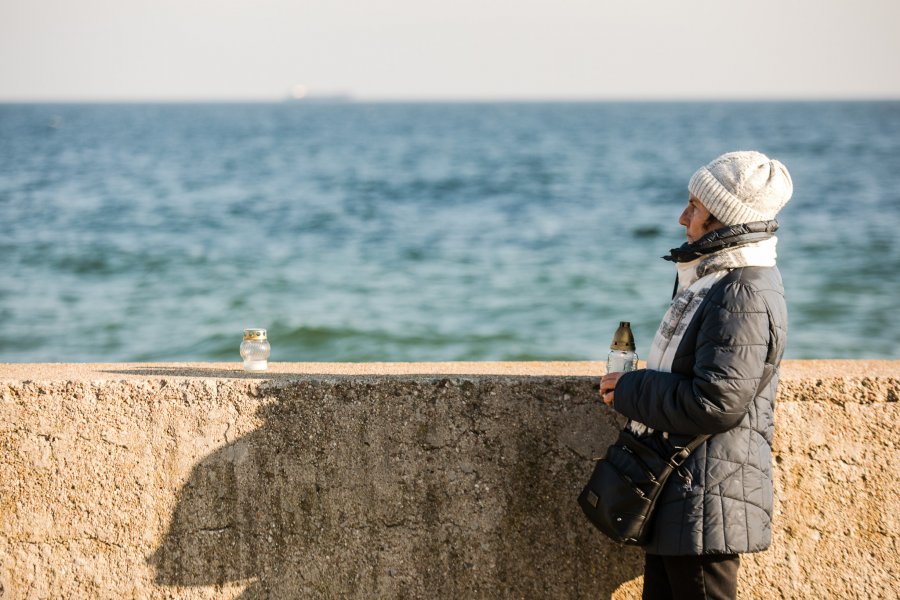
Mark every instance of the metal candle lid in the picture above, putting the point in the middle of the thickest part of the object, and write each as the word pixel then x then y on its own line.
pixel 623 338
pixel 255 335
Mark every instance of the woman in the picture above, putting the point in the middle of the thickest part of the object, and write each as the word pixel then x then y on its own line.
pixel 713 369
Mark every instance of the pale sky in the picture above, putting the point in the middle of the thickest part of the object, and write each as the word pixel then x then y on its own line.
pixel 448 49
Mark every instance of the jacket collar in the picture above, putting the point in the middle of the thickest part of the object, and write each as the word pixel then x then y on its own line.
pixel 724 237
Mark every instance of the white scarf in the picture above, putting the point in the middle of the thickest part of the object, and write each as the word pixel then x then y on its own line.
pixel 695 279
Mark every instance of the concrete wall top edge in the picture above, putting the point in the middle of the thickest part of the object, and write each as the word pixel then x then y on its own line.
pixel 285 372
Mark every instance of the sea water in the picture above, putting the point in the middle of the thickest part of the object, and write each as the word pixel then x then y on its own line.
pixel 417 232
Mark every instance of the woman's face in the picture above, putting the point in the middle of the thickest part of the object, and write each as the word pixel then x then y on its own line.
pixel 697 220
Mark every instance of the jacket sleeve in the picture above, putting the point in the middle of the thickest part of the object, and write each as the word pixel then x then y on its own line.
pixel 729 361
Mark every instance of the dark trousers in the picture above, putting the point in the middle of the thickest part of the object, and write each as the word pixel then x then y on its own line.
pixel 691 577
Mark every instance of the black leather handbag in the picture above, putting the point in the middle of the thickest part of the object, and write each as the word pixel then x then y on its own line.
pixel 622 492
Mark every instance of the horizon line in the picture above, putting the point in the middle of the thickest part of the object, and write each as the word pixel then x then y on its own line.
pixel 350 99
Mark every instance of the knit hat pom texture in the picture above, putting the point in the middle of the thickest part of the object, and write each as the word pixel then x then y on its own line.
pixel 742 187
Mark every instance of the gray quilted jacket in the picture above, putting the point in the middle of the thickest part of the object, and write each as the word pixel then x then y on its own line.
pixel 736 337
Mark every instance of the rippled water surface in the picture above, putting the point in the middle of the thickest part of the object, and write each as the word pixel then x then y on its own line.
pixel 359 232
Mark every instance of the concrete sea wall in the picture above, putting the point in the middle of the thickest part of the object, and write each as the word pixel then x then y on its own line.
pixel 450 480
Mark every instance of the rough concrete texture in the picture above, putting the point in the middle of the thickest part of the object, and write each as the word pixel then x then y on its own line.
pixel 397 481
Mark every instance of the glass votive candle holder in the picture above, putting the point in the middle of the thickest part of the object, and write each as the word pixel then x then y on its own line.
pixel 255 350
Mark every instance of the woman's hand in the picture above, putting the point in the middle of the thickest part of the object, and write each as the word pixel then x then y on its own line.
pixel 608 387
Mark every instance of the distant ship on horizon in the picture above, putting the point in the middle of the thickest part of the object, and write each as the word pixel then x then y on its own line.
pixel 303 93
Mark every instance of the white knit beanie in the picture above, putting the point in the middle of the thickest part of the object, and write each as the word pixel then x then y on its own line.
pixel 742 187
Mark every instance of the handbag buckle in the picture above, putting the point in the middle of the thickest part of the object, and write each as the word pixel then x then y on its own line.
pixel 679 457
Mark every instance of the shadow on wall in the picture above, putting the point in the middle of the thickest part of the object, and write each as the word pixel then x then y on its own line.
pixel 422 489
